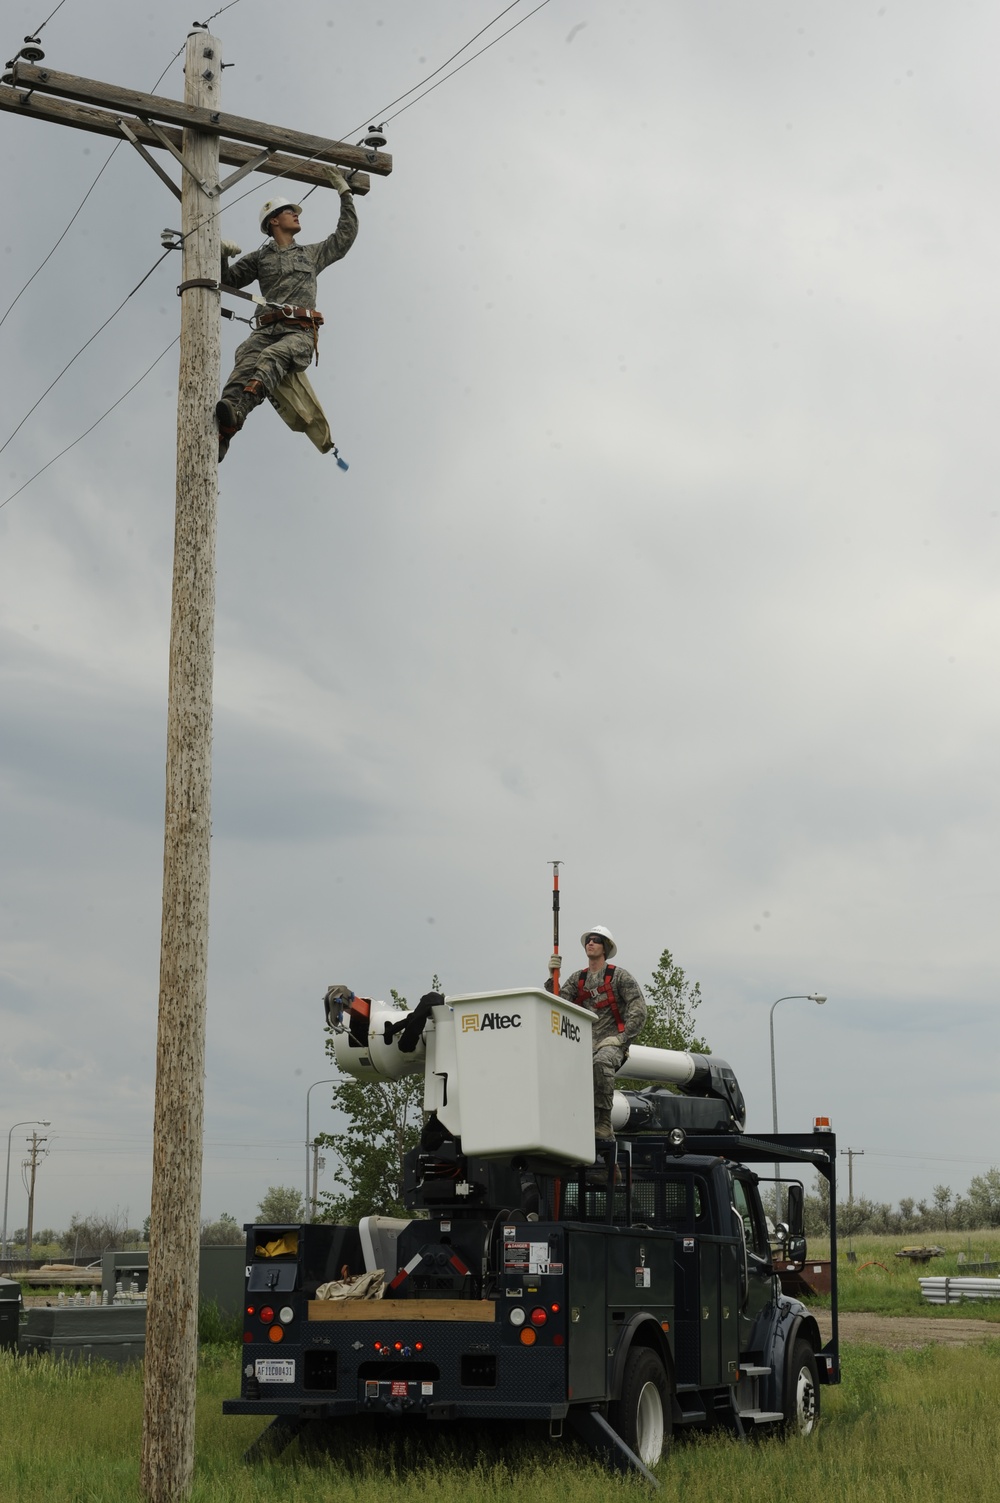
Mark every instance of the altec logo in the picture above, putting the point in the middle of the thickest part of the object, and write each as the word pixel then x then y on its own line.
pixel 565 1027
pixel 473 1023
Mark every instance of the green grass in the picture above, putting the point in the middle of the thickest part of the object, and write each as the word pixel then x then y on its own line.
pixel 881 1282
pixel 910 1427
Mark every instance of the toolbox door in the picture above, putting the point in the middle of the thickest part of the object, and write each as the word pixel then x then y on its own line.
pixel 587 1299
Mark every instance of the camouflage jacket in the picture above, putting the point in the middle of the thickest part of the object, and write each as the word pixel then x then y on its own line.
pixel 287 273
pixel 627 993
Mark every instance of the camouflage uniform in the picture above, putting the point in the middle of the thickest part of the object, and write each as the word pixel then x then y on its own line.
pixel 286 274
pixel 610 1046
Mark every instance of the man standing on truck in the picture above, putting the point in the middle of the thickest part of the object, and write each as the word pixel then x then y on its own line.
pixel 615 998
pixel 287 333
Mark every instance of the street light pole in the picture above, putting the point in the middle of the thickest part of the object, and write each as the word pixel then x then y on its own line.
pixel 31 1122
pixel 333 1080
pixel 792 997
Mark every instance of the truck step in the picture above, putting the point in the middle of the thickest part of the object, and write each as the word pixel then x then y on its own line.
pixel 749 1370
pixel 692 1408
pixel 760 1416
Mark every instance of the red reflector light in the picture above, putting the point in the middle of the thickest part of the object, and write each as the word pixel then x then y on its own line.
pixel 247 1336
pixel 251 1309
pixel 418 1346
pixel 397 1346
pixel 378 1346
pixel 555 1309
pixel 266 1314
pixel 557 1340
pixel 538 1316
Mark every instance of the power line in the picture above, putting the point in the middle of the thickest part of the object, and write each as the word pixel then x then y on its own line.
pixel 447 60
pixel 468 60
pixel 217 213
pixel 93 425
pixel 49 17
pixel 80 351
pixel 90 190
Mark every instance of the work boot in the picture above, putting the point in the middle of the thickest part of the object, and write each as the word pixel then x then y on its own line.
pixel 233 409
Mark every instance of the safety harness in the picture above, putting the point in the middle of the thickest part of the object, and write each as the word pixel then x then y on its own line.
pixel 608 1000
pixel 297 318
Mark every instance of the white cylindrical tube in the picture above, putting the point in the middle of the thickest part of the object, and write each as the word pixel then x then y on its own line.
pixel 668 1066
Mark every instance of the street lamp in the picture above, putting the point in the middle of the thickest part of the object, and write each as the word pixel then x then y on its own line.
pixel 31 1122
pixel 333 1080
pixel 792 997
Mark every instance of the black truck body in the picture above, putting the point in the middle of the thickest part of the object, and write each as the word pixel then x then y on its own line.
pixel 523 1295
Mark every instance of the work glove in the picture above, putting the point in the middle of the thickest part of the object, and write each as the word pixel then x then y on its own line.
pixel 229 248
pixel 555 962
pixel 337 179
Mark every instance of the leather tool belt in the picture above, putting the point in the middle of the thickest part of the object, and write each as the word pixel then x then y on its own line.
pixel 298 318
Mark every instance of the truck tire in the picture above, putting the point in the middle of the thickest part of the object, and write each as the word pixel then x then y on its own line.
pixel 642 1415
pixel 802 1391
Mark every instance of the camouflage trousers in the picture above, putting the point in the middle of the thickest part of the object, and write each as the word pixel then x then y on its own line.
pixel 269 354
pixel 608 1057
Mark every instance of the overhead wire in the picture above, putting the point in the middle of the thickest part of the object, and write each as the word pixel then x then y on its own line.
pixel 83 347
pixel 83 435
pixel 89 191
pixel 217 213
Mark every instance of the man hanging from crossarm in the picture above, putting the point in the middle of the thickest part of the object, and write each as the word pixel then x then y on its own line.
pixel 286 338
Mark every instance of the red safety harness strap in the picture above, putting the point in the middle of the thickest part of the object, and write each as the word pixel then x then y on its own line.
pixel 609 999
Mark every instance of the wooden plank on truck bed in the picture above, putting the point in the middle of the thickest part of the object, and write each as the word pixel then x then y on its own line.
pixel 480 1310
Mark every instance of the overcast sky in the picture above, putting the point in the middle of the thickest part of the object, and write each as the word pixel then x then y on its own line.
pixel 665 365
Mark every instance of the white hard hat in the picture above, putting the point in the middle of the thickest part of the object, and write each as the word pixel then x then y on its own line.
pixel 610 948
pixel 275 206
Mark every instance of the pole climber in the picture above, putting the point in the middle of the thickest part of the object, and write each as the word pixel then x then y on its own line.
pixel 272 362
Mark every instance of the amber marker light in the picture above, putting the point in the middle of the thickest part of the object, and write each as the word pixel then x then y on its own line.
pixel 528 1336
pixel 275 1333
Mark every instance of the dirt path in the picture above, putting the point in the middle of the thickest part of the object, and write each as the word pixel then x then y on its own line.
pixel 900 1331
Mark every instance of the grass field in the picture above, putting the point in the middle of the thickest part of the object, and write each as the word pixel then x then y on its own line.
pixel 880 1281
pixel 904 1427
pixel 910 1427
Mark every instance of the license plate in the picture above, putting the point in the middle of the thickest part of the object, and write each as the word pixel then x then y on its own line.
pixel 275 1370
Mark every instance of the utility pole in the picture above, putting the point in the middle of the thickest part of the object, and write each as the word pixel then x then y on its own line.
pixel 851 1154
pixel 31 1164
pixel 178 1112
pixel 206 137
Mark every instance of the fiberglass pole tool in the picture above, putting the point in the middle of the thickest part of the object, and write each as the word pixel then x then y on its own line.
pixel 555 865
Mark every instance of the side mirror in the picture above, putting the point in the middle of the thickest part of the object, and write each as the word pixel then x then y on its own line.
pixel 795 1212
pixel 794 1238
pixel 795 1250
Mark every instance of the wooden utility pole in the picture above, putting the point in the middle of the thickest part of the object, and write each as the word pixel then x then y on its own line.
pixel 32 1165
pixel 205 137
pixel 175 1210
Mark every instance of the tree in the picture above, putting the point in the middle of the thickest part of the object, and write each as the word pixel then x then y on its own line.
pixel 226 1232
pixel 383 1124
pixel 672 1002
pixel 942 1203
pixel 91 1235
pixel 281 1203
pixel 984 1198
